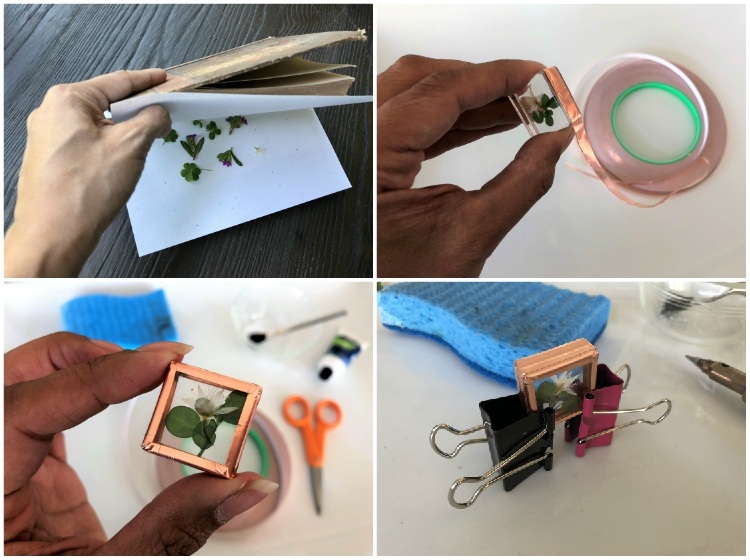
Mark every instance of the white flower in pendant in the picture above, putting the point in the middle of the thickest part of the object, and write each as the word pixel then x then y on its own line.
pixel 532 103
pixel 563 381
pixel 205 403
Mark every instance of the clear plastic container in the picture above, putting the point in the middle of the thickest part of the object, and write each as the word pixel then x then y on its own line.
pixel 689 312
pixel 264 308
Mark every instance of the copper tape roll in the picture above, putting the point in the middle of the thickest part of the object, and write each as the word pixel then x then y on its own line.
pixel 610 161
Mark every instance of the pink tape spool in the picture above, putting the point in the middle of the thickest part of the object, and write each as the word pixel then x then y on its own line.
pixel 600 89
pixel 170 472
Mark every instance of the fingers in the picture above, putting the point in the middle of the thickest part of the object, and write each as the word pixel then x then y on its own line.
pixel 493 114
pixel 36 410
pixel 493 118
pixel 456 138
pixel 407 71
pixel 430 108
pixel 66 398
pixel 182 517
pixel 140 132
pixel 123 83
pixel 47 354
pixel 505 199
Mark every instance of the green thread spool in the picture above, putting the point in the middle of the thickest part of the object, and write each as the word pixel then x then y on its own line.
pixel 262 449
pixel 679 95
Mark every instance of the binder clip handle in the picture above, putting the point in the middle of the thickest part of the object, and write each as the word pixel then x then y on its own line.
pixel 455 432
pixel 628 411
pixel 547 458
pixel 625 367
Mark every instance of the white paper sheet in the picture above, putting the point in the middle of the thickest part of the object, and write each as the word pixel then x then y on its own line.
pixel 190 106
pixel 286 155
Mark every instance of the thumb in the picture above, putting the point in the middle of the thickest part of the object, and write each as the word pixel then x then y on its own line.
pixel 505 199
pixel 182 517
pixel 140 132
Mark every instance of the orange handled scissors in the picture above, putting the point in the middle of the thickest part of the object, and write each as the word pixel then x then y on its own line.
pixel 314 436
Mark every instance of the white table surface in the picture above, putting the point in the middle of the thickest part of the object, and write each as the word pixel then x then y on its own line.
pixel 201 311
pixel 580 229
pixel 674 488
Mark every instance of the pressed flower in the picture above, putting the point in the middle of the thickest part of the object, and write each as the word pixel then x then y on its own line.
pixel 208 403
pixel 213 130
pixel 563 381
pixel 236 122
pixel 540 107
pixel 171 137
pixel 227 157
pixel 192 147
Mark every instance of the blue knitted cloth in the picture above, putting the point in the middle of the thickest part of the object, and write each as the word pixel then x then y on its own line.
pixel 130 321
pixel 491 324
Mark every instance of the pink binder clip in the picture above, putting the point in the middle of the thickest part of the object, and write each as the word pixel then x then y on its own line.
pixel 606 397
pixel 596 425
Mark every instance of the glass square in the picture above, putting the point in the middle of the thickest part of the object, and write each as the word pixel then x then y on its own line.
pixel 558 378
pixel 539 107
pixel 202 419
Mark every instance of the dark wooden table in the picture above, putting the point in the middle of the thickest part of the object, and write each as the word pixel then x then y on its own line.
pixel 329 237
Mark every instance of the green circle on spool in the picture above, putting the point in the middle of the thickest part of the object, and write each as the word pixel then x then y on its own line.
pixel 262 449
pixel 679 95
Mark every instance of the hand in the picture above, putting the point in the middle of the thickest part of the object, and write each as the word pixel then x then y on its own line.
pixel 57 382
pixel 425 108
pixel 78 171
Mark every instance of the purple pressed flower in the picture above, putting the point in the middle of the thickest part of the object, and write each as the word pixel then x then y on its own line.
pixel 244 120
pixel 226 162
pixel 191 137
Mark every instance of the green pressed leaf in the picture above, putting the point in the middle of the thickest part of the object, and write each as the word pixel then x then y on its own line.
pixel 186 146
pixel 181 421
pixel 199 145
pixel 549 121
pixel 211 135
pixel 235 399
pixel 234 157
pixel 545 99
pixel 545 392
pixel 537 116
pixel 204 434
pixel 552 103
pixel 198 123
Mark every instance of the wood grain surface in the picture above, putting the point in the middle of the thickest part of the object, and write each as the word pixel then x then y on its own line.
pixel 329 237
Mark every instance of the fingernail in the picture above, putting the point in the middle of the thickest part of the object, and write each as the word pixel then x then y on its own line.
pixel 249 496
pixel 176 347
pixel 108 346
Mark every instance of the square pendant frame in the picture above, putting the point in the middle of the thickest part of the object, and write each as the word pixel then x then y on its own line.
pixel 579 353
pixel 155 431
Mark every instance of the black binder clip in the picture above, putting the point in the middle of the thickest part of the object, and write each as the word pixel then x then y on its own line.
pixel 520 444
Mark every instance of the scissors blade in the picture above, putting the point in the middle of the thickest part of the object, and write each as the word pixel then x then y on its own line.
pixel 316 478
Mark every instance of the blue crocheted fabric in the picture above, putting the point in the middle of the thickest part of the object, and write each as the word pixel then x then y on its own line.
pixel 491 324
pixel 130 321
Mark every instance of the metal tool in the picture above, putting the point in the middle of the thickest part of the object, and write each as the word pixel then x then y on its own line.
pixel 722 373
pixel 260 337
pixel 313 436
